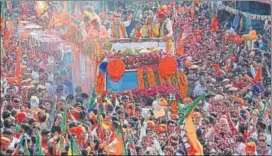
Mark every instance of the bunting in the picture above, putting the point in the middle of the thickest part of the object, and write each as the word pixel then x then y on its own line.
pixel 247 15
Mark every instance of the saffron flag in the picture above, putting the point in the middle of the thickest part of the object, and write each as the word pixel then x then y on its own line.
pixel 258 75
pixel 195 146
pixel 214 23
pixel 116 147
pixel 18 66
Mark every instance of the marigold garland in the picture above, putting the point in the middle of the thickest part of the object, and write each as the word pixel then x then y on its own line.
pixel 140 78
pixel 161 78
pixel 174 107
pixel 145 79
pixel 183 85
pixel 151 78
pixel 168 46
pixel 157 79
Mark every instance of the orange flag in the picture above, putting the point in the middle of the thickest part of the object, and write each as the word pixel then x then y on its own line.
pixel 196 148
pixel 24 35
pixel 18 66
pixel 115 147
pixel 214 23
pixel 193 11
pixel 258 76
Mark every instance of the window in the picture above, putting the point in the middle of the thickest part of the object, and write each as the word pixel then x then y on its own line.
pixel 127 82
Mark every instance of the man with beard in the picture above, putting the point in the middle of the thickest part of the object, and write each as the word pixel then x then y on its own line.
pixel 262 148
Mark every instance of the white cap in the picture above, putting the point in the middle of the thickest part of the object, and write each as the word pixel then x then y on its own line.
pixel 233 89
pixel 189 58
pixel 218 97
pixel 228 86
pixel 194 67
pixel 226 80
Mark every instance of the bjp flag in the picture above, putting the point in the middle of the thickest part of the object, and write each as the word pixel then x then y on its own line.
pixel 41 7
pixel 196 148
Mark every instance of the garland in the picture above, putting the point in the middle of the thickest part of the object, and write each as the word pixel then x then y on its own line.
pixel 138 94
pixel 145 79
pixel 161 78
pixel 247 15
pixel 157 79
pixel 137 61
pixel 183 84
pixel 140 78
pixel 151 77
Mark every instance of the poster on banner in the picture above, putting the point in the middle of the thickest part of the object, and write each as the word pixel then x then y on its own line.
pixel 122 46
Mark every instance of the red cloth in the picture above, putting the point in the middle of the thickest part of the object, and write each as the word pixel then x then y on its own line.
pixel 258 76
pixel 239 85
pixel 231 124
pixel 44 144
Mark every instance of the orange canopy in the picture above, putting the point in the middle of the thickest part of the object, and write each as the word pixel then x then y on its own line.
pixel 116 69
pixel 168 65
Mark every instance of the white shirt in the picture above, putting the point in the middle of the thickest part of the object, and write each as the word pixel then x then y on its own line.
pixel 127 23
pixel 14 141
pixel 35 75
pixel 268 139
pixel 241 149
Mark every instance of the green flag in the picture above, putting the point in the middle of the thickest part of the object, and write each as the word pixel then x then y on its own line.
pixel 38 145
pixel 73 149
pixel 91 101
pixel 63 121
pixel 188 109
pixel 25 147
pixel 60 144
pixel 119 132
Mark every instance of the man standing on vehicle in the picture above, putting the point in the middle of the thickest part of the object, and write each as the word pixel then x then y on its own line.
pixel 166 30
pixel 130 23
pixel 118 28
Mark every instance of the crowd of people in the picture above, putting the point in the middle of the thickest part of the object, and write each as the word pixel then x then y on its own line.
pixel 47 114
